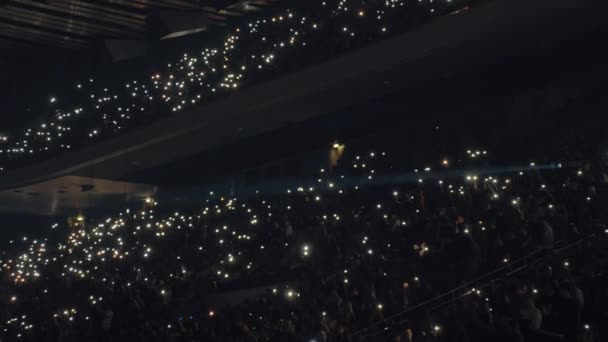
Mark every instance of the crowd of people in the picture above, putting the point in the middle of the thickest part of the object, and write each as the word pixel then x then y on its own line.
pixel 288 37
pixel 370 250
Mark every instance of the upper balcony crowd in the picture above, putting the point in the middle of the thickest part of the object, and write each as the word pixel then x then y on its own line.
pixel 278 41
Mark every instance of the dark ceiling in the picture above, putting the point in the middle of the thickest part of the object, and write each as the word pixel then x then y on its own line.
pixel 28 26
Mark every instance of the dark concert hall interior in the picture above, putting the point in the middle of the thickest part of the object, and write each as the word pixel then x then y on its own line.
pixel 303 170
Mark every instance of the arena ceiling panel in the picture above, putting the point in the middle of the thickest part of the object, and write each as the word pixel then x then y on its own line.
pixel 77 25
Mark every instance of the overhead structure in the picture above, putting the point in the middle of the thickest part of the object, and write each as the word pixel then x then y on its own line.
pixel 27 26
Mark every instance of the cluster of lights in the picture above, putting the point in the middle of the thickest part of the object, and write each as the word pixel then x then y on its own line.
pixel 248 52
pixel 135 241
pixel 476 153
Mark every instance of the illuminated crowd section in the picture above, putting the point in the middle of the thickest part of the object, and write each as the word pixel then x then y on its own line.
pixel 366 251
pixel 274 43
